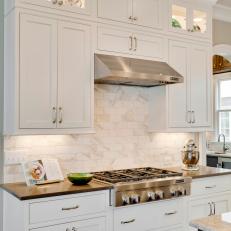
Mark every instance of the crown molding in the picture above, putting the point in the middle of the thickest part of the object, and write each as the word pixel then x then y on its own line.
pixel 221 12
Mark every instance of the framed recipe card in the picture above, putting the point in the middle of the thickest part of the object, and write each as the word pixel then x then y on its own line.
pixel 42 171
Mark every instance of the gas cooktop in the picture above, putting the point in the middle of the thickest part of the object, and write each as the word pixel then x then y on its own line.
pixel 133 175
pixel 142 185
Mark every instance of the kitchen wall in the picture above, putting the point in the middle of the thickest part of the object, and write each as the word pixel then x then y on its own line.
pixel 121 139
pixel 221 32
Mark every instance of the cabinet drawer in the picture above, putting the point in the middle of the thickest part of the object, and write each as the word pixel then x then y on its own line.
pixel 98 224
pixel 64 208
pixel 211 185
pixel 152 215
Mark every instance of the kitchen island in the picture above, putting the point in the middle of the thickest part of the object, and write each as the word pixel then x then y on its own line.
pixel 212 223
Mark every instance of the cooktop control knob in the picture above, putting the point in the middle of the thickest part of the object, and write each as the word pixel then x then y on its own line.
pixel 135 199
pixel 125 199
pixel 159 195
pixel 151 196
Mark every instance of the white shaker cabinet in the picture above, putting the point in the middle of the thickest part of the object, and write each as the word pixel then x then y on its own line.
pixel 188 105
pixel 88 225
pixel 137 44
pixel 192 18
pixel 38 72
pixel 146 13
pixel 74 82
pixel 53 91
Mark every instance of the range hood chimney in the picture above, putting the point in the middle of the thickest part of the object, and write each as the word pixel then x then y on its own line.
pixel 133 72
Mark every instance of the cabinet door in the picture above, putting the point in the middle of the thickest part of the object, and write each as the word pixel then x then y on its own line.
pixel 179 18
pixel 74 76
pixel 98 224
pixel 81 6
pixel 222 203
pixel 38 72
pixel 200 85
pixel 178 99
pixel 119 10
pixel 148 13
pixel 148 45
pixel 115 40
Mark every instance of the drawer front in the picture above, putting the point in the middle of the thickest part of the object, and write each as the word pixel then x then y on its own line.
pixel 64 208
pixel 98 224
pixel 211 185
pixel 152 215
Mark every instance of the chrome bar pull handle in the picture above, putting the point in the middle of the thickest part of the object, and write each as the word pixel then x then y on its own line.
pixel 136 43
pixel 131 43
pixel 188 117
pixel 70 208
pixel 193 117
pixel 170 213
pixel 210 209
pixel 60 115
pixel 128 222
pixel 214 208
pixel 54 115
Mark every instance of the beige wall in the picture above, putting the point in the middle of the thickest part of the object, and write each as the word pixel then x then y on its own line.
pixel 221 32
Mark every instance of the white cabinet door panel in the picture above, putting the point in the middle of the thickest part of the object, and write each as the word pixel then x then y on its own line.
pixel 119 10
pixel 98 224
pixel 178 93
pixel 115 40
pixel 38 71
pixel 147 13
pixel 149 46
pixel 74 78
pixel 199 81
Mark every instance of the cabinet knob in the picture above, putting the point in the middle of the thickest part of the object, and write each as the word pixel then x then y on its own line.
pixel 54 1
pixel 135 18
pixel 74 229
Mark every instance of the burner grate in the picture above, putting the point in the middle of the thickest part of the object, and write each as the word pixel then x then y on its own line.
pixel 132 175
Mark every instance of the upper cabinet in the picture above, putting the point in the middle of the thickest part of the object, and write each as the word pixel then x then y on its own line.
pixel 185 106
pixel 73 6
pixel 190 18
pixel 138 44
pixel 146 13
pixel 53 90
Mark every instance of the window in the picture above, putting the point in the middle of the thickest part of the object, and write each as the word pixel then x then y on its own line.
pixel 224 108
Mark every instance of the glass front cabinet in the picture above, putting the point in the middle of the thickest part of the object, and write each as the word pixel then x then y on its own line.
pixel 75 6
pixel 190 19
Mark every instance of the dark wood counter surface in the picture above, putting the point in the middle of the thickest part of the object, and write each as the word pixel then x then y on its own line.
pixel 202 172
pixel 23 192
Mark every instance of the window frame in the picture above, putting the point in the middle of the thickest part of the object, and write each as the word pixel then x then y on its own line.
pixel 218 79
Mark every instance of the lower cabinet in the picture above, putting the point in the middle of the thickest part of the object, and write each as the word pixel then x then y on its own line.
pixel 87 225
pixel 150 217
pixel 214 200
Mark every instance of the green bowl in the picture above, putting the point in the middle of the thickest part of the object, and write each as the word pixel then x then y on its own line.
pixel 80 178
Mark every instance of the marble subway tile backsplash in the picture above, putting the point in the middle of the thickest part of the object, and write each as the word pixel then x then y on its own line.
pixel 121 139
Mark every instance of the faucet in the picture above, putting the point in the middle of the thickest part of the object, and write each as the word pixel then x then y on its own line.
pixel 225 148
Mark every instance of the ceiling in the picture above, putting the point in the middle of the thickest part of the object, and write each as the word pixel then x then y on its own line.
pixel 226 3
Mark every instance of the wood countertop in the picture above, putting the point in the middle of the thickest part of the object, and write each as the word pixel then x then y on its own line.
pixel 212 223
pixel 204 171
pixel 23 192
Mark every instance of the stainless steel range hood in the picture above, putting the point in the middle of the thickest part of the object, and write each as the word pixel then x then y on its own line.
pixel 134 72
